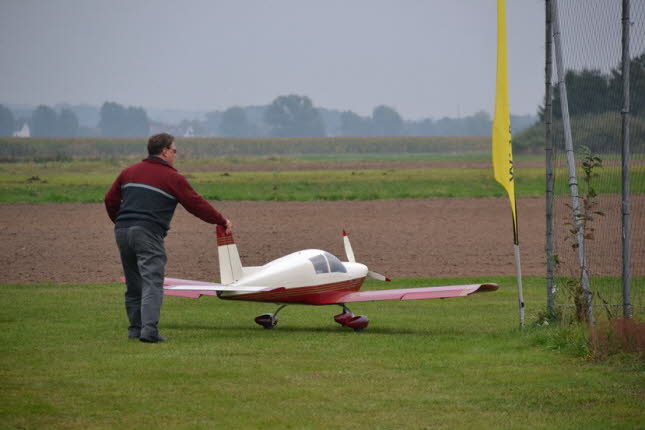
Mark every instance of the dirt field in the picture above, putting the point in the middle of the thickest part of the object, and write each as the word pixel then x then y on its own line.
pixel 73 243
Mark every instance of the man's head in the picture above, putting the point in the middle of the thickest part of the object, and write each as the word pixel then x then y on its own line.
pixel 162 145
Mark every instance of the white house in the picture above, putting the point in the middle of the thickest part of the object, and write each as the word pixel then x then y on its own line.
pixel 23 132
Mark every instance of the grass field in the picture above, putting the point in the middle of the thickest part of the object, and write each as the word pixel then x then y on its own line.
pixel 86 181
pixel 456 363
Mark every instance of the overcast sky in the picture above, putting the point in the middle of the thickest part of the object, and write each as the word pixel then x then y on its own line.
pixel 425 58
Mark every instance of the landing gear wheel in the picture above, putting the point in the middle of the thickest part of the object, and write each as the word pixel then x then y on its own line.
pixel 343 318
pixel 347 319
pixel 268 321
pixel 358 323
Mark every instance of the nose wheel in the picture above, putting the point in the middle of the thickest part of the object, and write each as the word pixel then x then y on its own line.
pixel 348 319
pixel 268 321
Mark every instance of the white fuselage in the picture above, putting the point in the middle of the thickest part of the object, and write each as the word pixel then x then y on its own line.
pixel 307 268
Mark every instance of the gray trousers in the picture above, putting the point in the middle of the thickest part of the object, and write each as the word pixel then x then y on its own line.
pixel 143 257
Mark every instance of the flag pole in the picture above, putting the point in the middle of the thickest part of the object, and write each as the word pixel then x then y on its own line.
pixel 520 295
pixel 502 148
pixel 518 265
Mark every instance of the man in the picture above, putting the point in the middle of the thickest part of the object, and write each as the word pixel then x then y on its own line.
pixel 141 203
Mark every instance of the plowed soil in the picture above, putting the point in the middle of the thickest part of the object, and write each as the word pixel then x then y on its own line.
pixel 74 243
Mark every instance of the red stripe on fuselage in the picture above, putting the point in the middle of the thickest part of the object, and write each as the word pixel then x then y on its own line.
pixel 311 295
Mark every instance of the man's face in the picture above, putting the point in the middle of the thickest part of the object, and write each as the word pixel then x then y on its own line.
pixel 169 154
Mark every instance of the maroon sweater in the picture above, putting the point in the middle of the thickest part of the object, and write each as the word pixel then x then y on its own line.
pixel 147 193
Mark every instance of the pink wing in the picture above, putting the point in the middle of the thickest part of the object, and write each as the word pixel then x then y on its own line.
pixel 193 294
pixel 169 282
pixel 408 293
pixel 196 289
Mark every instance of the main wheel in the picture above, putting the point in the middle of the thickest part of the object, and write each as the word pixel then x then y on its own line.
pixel 268 321
pixel 358 323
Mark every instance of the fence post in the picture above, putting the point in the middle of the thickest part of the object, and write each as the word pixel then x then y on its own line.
pixel 548 147
pixel 627 306
pixel 571 164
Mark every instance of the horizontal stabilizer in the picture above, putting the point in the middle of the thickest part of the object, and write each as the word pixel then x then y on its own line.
pixel 409 293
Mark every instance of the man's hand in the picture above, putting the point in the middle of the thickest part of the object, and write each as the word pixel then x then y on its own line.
pixel 229 226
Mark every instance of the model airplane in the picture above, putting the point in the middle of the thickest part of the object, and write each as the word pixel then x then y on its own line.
pixel 308 277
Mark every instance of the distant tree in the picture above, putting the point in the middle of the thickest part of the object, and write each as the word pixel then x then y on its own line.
pixel 636 85
pixel 447 127
pixel 479 124
pixel 588 92
pixel 352 124
pixel 7 121
pixel 234 123
pixel 294 115
pixel 117 121
pixel 113 118
pixel 67 123
pixel 138 123
pixel 44 122
pixel 592 92
pixel 425 127
pixel 213 120
pixel 386 121
pixel 87 115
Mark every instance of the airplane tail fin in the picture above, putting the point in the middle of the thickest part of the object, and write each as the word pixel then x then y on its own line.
pixel 230 265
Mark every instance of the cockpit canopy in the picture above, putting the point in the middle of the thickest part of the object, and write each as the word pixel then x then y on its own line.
pixel 326 262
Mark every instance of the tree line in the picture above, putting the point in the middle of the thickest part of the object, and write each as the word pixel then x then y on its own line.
pixel 286 116
pixel 588 91
pixel 115 121
pixel 296 116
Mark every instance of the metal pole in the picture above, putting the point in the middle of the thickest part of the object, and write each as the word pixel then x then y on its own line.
pixel 571 163
pixel 518 271
pixel 548 146
pixel 627 305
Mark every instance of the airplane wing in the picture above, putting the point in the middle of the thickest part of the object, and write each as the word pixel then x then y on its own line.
pixel 408 293
pixel 196 289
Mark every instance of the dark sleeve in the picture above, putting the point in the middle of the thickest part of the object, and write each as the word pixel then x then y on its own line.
pixel 113 199
pixel 194 203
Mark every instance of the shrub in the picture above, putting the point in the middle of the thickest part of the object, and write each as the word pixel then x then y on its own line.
pixel 619 336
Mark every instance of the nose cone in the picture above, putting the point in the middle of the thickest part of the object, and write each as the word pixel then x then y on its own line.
pixel 356 270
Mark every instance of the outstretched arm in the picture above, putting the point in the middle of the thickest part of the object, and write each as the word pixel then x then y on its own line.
pixel 196 204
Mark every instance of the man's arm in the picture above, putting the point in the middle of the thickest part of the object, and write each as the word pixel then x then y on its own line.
pixel 113 199
pixel 196 204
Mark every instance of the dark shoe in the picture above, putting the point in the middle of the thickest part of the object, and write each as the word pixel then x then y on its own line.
pixel 155 339
pixel 134 336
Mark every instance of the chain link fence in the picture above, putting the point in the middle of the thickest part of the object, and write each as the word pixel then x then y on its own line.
pixel 591 33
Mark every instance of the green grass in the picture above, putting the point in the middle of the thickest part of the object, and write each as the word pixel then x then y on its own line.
pixel 456 363
pixel 85 181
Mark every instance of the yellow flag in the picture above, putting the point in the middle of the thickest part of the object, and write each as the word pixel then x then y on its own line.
pixel 502 147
